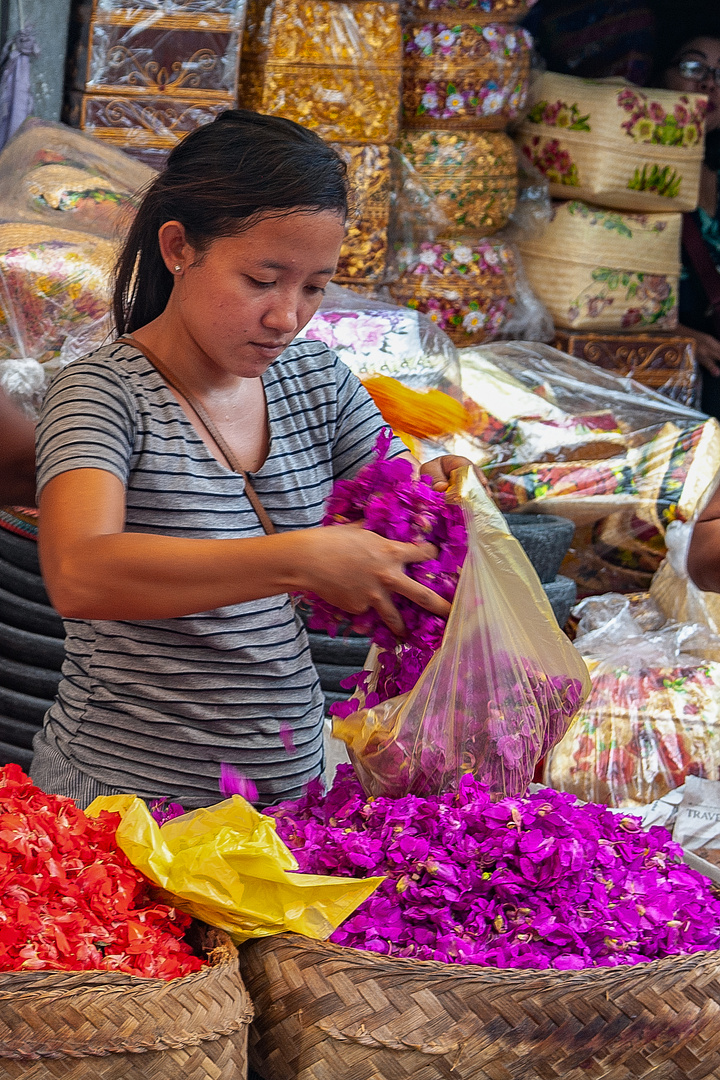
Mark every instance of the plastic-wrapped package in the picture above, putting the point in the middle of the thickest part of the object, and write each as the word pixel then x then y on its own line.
pixel 557 435
pixel 53 175
pixel 462 75
pixel 375 338
pixel 602 270
pixel 146 127
pixel 55 294
pixel 138 48
pixel 616 145
pixel 363 256
pixel 653 716
pixel 145 72
pixel 334 67
pixel 466 285
pixel 472 175
pixel 499 692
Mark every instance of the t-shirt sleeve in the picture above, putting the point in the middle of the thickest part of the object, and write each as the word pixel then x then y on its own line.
pixel 359 422
pixel 87 422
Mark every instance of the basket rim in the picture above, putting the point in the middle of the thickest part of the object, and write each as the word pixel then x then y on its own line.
pixel 437 969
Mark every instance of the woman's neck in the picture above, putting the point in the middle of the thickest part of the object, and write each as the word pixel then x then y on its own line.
pixel 708 190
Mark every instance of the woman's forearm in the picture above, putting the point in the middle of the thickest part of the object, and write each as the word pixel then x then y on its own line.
pixel 145 576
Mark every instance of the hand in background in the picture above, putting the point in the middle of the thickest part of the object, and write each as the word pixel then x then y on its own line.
pixel 707 349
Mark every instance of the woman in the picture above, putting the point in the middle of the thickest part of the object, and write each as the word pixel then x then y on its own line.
pixel 183 646
pixel 695 68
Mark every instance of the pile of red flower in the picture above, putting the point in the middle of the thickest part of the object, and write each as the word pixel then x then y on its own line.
pixel 70 900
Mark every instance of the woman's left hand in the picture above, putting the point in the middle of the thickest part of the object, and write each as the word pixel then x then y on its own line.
pixel 439 469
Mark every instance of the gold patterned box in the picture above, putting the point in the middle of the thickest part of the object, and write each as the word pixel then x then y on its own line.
pixel 363 256
pixel 467 288
pixel 463 75
pixel 597 269
pixel 141 124
pixel 331 66
pixel 175 49
pixel 480 11
pixel 472 175
pixel 614 144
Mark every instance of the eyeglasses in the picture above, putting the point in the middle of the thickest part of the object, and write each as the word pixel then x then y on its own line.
pixel 697 71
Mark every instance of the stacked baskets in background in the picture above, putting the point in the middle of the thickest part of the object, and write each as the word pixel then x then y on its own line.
pixel 466 68
pixel 335 68
pixel 636 156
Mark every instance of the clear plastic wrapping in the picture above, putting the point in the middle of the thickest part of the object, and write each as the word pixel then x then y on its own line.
pixel 472 176
pixel 170 48
pixel 334 67
pixel 557 435
pixel 466 285
pixel 653 716
pixel 499 692
pixel 55 292
pixel 375 338
pixel 363 256
pixel 53 175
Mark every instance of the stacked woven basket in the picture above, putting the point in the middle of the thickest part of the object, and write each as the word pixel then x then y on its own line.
pixel 465 77
pixel 635 156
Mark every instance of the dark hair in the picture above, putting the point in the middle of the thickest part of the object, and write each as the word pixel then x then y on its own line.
pixel 217 182
pixel 675 34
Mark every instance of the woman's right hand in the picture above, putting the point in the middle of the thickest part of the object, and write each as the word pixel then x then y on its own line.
pixel 707 349
pixel 355 570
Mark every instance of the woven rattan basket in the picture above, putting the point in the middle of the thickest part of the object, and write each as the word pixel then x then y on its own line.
pixel 330 1013
pixel 598 269
pixel 111 1026
pixel 615 145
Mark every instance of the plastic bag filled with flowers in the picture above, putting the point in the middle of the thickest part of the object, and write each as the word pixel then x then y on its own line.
pixel 500 690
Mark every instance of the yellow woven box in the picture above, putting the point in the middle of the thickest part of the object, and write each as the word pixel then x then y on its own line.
pixel 333 67
pixel 599 269
pixel 614 144
pixel 363 256
pixel 464 75
pixel 472 175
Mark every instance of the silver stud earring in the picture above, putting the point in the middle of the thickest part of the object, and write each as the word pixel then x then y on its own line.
pixel 177 268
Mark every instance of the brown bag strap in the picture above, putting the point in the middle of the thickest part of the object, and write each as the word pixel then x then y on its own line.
pixel 199 409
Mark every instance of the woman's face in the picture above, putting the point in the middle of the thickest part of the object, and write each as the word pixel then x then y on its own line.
pixel 244 300
pixel 705 50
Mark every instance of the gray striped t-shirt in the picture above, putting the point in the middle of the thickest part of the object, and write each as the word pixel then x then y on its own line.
pixel 154 707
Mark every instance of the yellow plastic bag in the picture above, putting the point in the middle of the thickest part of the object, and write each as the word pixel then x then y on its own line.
pixel 226 865
pixel 499 692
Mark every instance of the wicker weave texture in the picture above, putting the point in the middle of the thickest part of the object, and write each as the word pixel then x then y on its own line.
pixel 328 1013
pixel 111 1026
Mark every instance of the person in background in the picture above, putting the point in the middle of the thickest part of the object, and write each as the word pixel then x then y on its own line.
pixel 694 67
pixel 17 456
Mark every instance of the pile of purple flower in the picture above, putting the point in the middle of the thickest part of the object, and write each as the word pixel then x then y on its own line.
pixel 535 882
pixel 389 501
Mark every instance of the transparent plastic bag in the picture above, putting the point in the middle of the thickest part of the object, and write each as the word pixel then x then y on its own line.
pixel 557 435
pixel 375 338
pixel 331 66
pixel 53 175
pixel 653 716
pixel 499 692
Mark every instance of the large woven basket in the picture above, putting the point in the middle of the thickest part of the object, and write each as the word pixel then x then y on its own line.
pixel 331 1013
pixel 111 1026
pixel 614 144
pixel 597 269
